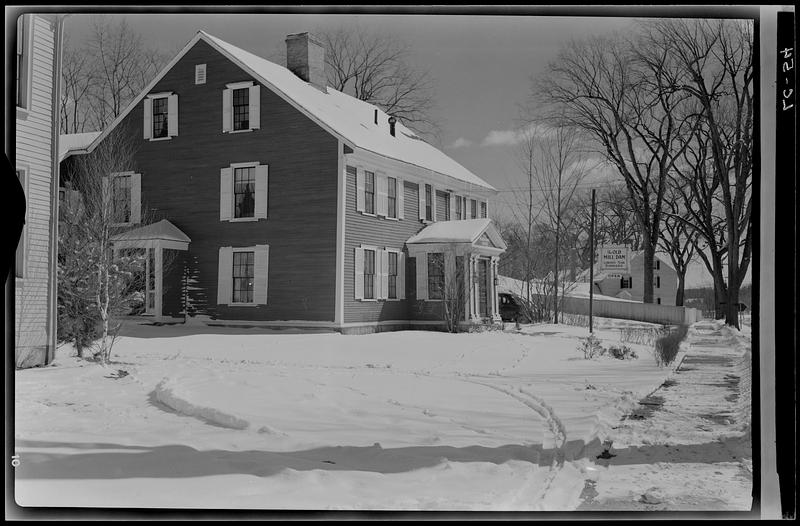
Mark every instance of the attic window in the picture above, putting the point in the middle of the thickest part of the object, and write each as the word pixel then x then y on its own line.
pixel 200 74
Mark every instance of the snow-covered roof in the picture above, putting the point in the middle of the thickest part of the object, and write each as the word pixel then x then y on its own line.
pixel 163 229
pixel 458 231
pixel 346 117
pixel 74 141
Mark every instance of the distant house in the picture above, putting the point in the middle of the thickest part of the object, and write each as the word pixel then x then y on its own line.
pixel 35 159
pixel 283 202
pixel 630 285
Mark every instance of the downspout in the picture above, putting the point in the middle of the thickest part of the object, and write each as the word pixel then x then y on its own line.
pixel 52 300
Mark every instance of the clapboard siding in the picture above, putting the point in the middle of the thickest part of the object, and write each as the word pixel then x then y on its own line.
pixel 33 152
pixel 368 230
pixel 180 182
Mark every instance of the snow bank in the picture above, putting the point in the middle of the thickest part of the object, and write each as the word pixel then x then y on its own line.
pixel 171 393
pixel 743 367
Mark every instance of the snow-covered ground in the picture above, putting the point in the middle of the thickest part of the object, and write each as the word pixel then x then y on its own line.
pixel 251 418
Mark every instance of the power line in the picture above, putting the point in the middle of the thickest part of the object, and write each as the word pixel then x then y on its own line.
pixel 552 188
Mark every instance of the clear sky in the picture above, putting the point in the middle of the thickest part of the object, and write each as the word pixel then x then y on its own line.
pixel 481 64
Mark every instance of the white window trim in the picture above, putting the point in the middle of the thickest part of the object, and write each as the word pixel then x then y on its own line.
pixel 234 250
pixel 239 85
pixel 152 97
pixel 399 253
pixel 233 166
pixel 27 55
pixel 110 179
pixel 375 275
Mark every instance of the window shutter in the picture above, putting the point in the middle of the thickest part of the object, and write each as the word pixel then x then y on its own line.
pixel 255 107
pixel 422 276
pixel 227 110
pixel 433 203
pixel 262 190
pixel 486 208
pixel 421 195
pixel 384 275
pixel 359 190
pixel 225 276
pixel 136 198
pixel 225 194
pixel 359 273
pixel 260 274
pixel 452 200
pixel 464 214
pixel 401 199
pixel 172 118
pixel 382 194
pixel 401 276
pixel 148 118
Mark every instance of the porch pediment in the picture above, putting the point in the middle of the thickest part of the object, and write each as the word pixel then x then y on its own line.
pixel 474 233
pixel 163 234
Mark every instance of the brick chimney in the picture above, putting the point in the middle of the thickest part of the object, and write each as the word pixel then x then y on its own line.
pixel 305 57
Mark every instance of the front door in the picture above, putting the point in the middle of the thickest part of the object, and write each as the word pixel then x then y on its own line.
pixel 483 275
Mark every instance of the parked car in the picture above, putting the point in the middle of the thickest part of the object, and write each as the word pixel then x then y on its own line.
pixel 511 308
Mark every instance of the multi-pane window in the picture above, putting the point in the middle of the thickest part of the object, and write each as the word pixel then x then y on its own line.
pixel 657 282
pixel 121 198
pixel 160 117
pixel 428 203
pixel 483 209
pixel 391 208
pixel 369 274
pixel 459 212
pixel 369 192
pixel 21 72
pixel 435 275
pixel 244 191
pixel 473 205
pixel 243 276
pixel 392 275
pixel 657 264
pixel 241 109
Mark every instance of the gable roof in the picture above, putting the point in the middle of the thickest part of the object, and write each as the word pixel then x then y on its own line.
pixel 163 229
pixel 347 118
pixel 74 143
pixel 458 231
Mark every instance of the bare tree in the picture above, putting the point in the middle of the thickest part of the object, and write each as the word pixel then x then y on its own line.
pixel 104 74
pixel 97 285
pixel 678 239
pixel 376 68
pixel 716 61
pixel 623 96
pixel 558 168
pixel 78 78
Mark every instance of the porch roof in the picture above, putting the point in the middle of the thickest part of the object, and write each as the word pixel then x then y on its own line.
pixel 162 230
pixel 459 231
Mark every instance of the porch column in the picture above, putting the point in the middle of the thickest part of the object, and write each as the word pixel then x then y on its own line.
pixel 467 288
pixel 159 260
pixel 493 280
pixel 473 290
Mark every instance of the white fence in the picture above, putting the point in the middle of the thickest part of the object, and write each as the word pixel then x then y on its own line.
pixel 629 310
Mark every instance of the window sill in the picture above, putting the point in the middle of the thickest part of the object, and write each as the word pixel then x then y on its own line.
pixel 244 304
pixel 22 113
pixel 158 139
pixel 231 132
pixel 371 300
pixel 392 218
pixel 244 219
pixel 367 214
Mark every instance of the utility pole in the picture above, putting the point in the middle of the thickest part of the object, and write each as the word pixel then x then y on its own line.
pixel 591 263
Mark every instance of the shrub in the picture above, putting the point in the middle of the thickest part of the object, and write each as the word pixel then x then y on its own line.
pixel 591 347
pixel 622 352
pixel 642 335
pixel 666 347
